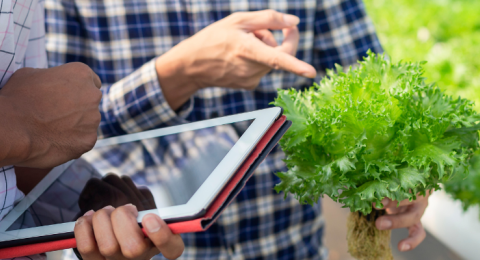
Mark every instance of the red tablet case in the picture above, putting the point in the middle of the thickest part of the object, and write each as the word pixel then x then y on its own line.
pixel 266 144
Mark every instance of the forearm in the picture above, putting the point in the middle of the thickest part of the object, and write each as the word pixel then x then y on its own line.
pixel 138 103
pixel 12 137
pixel 177 86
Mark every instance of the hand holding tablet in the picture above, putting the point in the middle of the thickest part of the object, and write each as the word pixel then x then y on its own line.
pixel 192 171
pixel 114 233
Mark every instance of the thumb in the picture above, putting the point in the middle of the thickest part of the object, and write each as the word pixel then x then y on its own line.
pixel 170 245
pixel 290 41
pixel 266 19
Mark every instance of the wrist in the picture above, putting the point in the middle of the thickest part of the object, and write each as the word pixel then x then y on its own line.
pixel 13 135
pixel 177 84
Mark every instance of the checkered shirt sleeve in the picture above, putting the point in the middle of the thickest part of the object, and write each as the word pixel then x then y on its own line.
pixel 124 104
pixel 120 40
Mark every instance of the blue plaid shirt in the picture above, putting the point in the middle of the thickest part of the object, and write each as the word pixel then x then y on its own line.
pixel 120 40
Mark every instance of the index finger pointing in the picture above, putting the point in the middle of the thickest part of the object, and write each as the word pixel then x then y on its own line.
pixel 277 59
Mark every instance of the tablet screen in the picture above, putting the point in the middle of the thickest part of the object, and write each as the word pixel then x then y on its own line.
pixel 150 173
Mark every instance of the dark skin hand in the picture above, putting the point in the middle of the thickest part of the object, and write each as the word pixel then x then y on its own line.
pixel 49 116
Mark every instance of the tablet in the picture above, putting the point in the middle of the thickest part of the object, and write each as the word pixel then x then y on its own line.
pixel 175 172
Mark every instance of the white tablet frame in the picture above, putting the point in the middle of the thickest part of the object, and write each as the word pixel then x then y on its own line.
pixel 200 200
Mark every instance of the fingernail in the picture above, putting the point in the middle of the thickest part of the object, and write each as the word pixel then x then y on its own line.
pixel 152 224
pixel 109 207
pixel 405 247
pixel 307 75
pixel 133 208
pixel 79 221
pixel 291 20
pixel 131 205
pixel 88 213
pixel 385 224
pixel 385 202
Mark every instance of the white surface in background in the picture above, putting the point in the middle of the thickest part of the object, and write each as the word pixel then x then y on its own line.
pixel 460 231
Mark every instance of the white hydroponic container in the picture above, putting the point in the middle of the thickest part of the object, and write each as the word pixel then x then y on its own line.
pixel 458 230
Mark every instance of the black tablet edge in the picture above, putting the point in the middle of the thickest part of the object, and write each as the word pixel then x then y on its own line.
pixel 35 240
pixel 186 218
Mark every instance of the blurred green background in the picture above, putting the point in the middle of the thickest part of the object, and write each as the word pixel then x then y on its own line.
pixel 446 33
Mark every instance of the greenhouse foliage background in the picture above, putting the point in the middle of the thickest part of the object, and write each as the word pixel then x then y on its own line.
pixel 446 33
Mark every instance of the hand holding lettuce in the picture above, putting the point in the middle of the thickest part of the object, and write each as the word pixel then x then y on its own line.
pixel 377 131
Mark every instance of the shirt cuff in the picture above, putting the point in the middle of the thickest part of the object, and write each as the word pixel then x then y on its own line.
pixel 136 103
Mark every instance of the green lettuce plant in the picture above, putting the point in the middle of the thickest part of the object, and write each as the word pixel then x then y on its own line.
pixel 372 132
pixel 450 44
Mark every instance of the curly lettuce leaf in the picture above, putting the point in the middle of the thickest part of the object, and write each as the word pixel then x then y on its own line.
pixel 371 132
